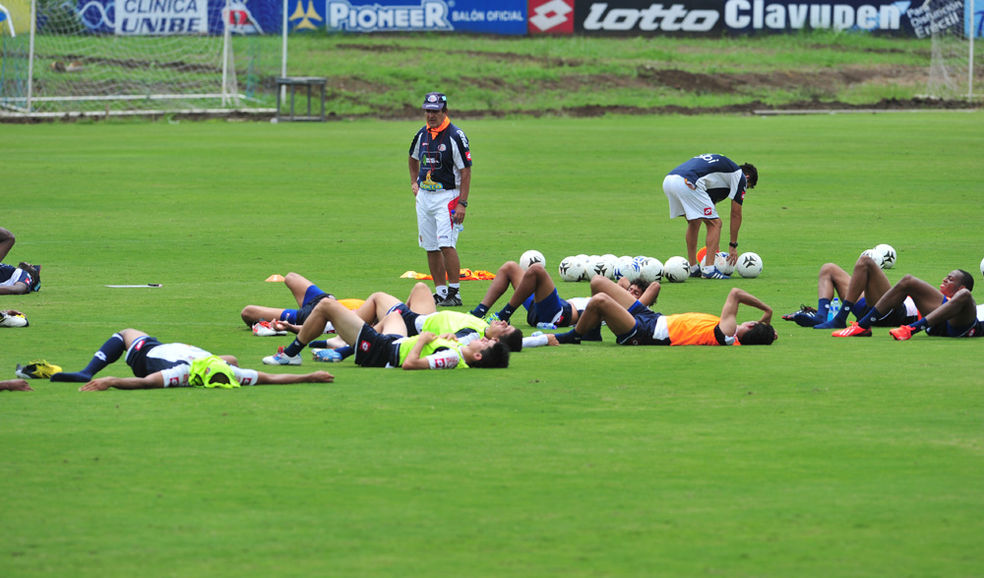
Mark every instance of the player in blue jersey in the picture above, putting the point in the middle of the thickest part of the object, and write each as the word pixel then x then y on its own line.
pixel 960 316
pixel 926 297
pixel 305 293
pixel 18 280
pixel 440 179
pixel 693 189
pixel 157 364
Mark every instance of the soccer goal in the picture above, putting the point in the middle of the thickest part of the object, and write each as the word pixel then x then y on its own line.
pixel 951 26
pixel 101 56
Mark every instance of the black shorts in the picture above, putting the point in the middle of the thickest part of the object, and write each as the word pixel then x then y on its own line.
pixel 645 327
pixel 305 311
pixel 895 318
pixel 409 318
pixel 947 330
pixel 138 361
pixel 373 349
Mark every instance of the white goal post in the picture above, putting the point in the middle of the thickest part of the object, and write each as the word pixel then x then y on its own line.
pixel 950 24
pixel 105 57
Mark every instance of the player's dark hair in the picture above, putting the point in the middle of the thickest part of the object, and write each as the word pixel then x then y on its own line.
pixel 642 284
pixel 513 339
pixel 496 355
pixel 752 174
pixel 968 280
pixel 759 334
pixel 218 378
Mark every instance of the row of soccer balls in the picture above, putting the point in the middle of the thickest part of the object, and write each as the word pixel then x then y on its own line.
pixel 676 269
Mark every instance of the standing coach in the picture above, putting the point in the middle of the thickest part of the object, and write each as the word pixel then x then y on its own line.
pixel 440 176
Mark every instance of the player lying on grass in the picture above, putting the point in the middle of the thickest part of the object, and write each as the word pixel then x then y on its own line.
pixel 419 315
pixel 857 291
pixel 535 291
pixel 926 297
pixel 635 324
pixel 390 346
pixel 157 364
pixel 960 316
pixel 15 385
pixel 19 280
pixel 305 293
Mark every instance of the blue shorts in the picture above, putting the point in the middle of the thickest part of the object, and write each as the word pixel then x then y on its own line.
pixel 546 311
pixel 975 330
pixel 312 296
pixel 644 329
pixel 409 318
pixel 373 349
pixel 142 365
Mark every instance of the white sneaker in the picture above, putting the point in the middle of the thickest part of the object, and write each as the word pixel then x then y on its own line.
pixel 12 320
pixel 265 329
pixel 282 358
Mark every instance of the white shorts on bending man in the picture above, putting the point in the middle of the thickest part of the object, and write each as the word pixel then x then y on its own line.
pixel 440 179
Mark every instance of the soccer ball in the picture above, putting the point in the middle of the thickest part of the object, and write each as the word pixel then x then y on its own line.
pixel 651 270
pixel 571 269
pixel 532 257
pixel 875 255
pixel 628 268
pixel 749 265
pixel 721 262
pixel 888 255
pixel 982 266
pixel 676 269
pixel 603 266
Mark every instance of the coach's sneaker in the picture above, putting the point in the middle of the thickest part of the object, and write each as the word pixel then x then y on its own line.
pixel 17 320
pixel 282 358
pixel 265 329
pixel 901 333
pixel 327 355
pixel 853 330
pixel 452 300
pixel 695 271
pixel 713 273
pixel 37 369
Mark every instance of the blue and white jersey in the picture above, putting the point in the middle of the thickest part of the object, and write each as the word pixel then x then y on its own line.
pixel 147 355
pixel 442 158
pixel 717 175
pixel 10 276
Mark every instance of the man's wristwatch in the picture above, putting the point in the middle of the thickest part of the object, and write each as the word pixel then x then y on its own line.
pixel 463 204
pixel 735 245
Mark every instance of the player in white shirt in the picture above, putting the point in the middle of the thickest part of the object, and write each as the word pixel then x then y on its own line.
pixel 157 364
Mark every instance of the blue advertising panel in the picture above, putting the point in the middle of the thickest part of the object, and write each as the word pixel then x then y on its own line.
pixel 482 16
pixel 166 17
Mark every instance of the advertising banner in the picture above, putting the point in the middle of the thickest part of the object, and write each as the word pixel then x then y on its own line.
pixel 747 16
pixel 480 16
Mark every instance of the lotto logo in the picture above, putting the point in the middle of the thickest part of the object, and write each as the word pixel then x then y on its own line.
pixel 468 155
pixel 551 16
pixel 364 346
pixel 707 211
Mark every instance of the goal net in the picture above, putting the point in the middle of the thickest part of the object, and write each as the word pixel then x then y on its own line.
pixel 61 56
pixel 950 25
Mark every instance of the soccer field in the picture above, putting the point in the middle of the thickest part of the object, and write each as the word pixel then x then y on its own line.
pixel 813 457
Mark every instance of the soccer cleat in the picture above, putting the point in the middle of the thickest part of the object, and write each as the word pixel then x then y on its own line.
pixel 805 317
pixel 492 317
pixel 803 309
pixel 37 369
pixel 853 330
pixel 901 333
pixel 282 358
pixel 452 300
pixel 715 274
pixel 327 355
pixel 12 320
pixel 265 329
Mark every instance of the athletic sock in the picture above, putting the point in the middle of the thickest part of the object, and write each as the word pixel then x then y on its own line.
pixel 506 312
pixel 345 351
pixel 294 348
pixel 480 310
pixel 869 317
pixel 318 344
pixel 571 337
pixel 823 308
pixel 918 325
pixel 441 290
pixel 592 335
pixel 108 353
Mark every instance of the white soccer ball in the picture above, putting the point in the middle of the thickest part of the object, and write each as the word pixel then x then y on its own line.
pixel 676 269
pixel 571 269
pixel 603 266
pixel 721 262
pixel 876 256
pixel 651 270
pixel 888 255
pixel 749 265
pixel 532 257
pixel 628 268
pixel 982 266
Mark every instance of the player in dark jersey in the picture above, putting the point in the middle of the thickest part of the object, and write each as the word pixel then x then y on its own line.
pixel 958 317
pixel 926 297
pixel 693 189
pixel 440 179
pixel 157 364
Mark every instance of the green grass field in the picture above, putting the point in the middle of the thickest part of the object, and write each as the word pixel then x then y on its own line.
pixel 814 457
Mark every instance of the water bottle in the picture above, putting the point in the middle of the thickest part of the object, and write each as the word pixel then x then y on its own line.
pixel 456 227
pixel 545 325
pixel 835 307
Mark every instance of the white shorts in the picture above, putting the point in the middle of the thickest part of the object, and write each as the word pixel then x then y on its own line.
pixel 687 202
pixel 434 219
